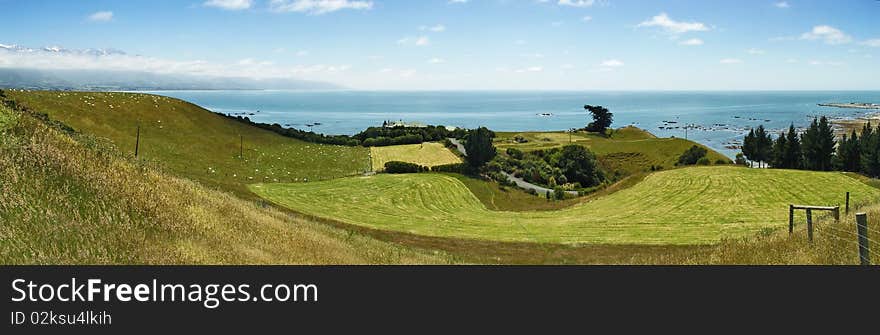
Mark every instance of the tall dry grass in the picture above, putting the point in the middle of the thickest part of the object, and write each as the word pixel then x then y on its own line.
pixel 69 198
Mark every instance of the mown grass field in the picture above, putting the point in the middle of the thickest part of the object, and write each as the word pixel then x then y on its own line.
pixel 193 142
pixel 73 199
pixel 628 149
pixel 699 205
pixel 425 154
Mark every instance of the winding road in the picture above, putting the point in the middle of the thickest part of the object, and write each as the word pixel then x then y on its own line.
pixel 516 180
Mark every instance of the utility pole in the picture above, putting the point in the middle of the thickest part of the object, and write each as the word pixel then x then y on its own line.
pixel 137 140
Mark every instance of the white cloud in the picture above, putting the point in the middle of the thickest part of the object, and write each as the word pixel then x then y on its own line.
pixel 437 28
pixel 458 1
pixel 827 34
pixel 611 63
pixel 754 51
pixel 577 3
pixel 782 4
pixel 302 53
pixel 730 61
pixel 872 43
pixel 566 66
pixel 57 58
pixel 318 7
pixel 229 4
pixel 103 16
pixel 691 42
pixel 671 26
pixel 423 41
pixel 520 42
pixel 530 69
pixel 557 23
pixel 825 63
pixel 587 18
pixel 534 55
pixel 436 60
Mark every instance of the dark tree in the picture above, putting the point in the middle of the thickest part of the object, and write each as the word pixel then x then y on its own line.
pixel 692 155
pixel 763 145
pixel 793 157
pixel 602 118
pixel 579 165
pixel 818 145
pixel 748 148
pixel 849 153
pixel 869 157
pixel 778 159
pixel 479 147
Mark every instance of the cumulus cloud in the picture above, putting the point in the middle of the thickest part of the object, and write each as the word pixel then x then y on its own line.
pixel 827 34
pixel 782 4
pixel 587 18
pixel 318 7
pixel 611 63
pixel 102 16
pixel 728 61
pixel 577 3
pixel 458 1
pixel 57 58
pixel 229 4
pixel 436 28
pixel 754 51
pixel 530 69
pixel 436 60
pixel 872 43
pixel 671 26
pixel 691 42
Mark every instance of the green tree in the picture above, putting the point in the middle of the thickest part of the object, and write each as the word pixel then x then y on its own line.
pixel 602 118
pixel 748 148
pixel 692 155
pixel 763 145
pixel 778 159
pixel 579 166
pixel 869 157
pixel 793 156
pixel 479 147
pixel 849 153
pixel 818 145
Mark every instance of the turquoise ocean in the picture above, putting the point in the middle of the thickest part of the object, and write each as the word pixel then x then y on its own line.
pixel 716 119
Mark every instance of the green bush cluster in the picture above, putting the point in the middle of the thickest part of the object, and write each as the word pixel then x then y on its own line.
pixel 404 167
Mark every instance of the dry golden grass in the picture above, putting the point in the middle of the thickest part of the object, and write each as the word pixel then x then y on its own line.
pixel 73 199
pixel 425 154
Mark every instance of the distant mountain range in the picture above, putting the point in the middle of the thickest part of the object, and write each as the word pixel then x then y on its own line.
pixel 12 76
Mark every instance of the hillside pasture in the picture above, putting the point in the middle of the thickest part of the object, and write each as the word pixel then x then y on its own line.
pixel 193 142
pixel 690 206
pixel 629 149
pixel 425 154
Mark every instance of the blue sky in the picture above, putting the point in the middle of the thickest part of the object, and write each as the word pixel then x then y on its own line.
pixel 475 44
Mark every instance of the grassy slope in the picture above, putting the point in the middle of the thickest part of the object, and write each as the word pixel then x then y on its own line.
pixel 426 154
pixel 194 143
pixel 72 199
pixel 629 149
pixel 684 206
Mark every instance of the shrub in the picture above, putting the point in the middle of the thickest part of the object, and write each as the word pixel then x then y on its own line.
pixel 704 161
pixel 515 153
pixel 454 168
pixel 402 167
pixel 740 159
pixel 531 191
pixel 721 161
pixel 559 192
pixel 692 155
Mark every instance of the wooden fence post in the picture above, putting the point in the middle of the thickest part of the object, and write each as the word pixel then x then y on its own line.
pixel 137 141
pixel 864 254
pixel 837 214
pixel 810 224
pixel 790 219
pixel 847 202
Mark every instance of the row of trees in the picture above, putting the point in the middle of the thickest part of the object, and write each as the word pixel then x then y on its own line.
pixel 371 137
pixel 814 149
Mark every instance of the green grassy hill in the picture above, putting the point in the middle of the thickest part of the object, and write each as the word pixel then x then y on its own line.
pixel 73 199
pixel 628 149
pixel 193 142
pixel 699 205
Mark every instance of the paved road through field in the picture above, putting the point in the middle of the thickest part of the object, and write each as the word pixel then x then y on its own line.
pixel 518 181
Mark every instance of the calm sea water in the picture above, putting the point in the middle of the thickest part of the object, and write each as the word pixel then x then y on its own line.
pixel 717 119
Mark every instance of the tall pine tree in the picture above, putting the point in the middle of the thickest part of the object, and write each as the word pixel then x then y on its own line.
pixel 793 155
pixel 869 156
pixel 778 160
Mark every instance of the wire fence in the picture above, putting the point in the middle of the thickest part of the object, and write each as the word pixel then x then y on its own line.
pixel 843 231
